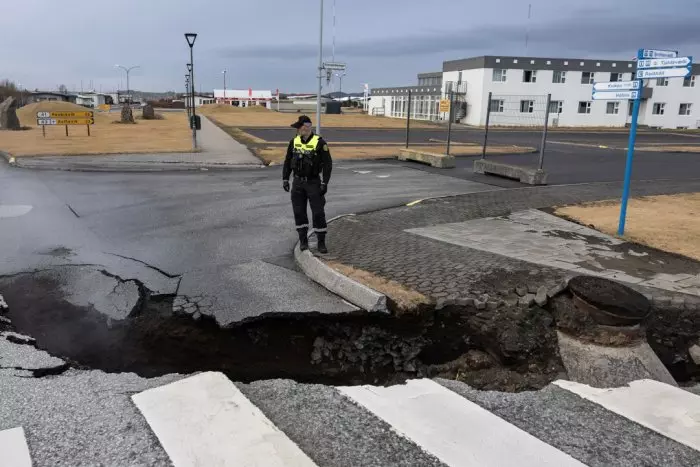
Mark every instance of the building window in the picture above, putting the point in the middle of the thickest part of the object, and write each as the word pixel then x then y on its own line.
pixel 630 108
pixel 615 77
pixel 499 75
pixel 662 82
pixel 613 108
pixel 555 107
pixel 497 105
pixel 587 77
pixel 527 107
pixel 559 77
pixel 459 78
pixel 689 82
pixel 584 107
pixel 685 109
pixel 659 108
pixel 529 76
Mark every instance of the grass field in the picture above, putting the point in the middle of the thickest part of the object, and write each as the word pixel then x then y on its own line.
pixel 668 222
pixel 260 117
pixel 168 135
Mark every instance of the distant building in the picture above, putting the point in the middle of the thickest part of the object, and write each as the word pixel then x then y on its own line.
pixel 518 85
pixel 93 100
pixel 39 96
pixel 199 100
pixel 244 97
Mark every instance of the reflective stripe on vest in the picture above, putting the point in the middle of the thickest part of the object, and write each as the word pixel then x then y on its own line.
pixel 308 148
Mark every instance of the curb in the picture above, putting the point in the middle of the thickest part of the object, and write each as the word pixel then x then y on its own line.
pixel 358 294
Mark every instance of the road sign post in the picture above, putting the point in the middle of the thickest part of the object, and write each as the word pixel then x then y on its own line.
pixel 651 63
pixel 65 118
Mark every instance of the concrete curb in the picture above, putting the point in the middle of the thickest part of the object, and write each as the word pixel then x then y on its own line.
pixel 358 294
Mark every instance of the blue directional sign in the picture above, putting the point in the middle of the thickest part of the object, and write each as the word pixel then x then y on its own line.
pixel 664 63
pixel 653 53
pixel 617 86
pixel 614 95
pixel 664 73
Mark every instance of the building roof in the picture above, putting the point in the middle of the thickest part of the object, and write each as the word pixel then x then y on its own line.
pixel 243 94
pixel 540 63
pixel 430 74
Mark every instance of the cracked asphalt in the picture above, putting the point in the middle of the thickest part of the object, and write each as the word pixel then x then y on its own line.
pixel 224 238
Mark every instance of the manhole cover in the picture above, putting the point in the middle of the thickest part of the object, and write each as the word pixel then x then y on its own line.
pixel 610 302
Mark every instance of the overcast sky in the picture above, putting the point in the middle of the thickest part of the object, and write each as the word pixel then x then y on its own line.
pixel 269 44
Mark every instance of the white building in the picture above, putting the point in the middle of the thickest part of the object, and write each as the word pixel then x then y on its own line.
pixel 519 86
pixel 199 100
pixel 243 97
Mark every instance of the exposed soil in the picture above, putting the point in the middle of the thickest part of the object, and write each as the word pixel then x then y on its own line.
pixel 505 349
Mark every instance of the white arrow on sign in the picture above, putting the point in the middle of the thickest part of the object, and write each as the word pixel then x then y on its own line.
pixel 614 96
pixel 616 86
pixel 664 73
pixel 664 63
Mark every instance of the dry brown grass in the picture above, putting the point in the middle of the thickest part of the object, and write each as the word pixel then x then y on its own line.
pixel 350 151
pixel 171 134
pixel 406 299
pixel 260 117
pixel 667 222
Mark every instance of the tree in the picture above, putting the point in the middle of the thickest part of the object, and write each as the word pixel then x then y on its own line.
pixel 8 89
pixel 62 89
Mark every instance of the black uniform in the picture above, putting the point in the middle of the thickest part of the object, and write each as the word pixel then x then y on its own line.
pixel 310 161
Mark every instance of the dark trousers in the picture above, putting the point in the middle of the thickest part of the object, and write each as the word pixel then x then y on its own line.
pixel 308 190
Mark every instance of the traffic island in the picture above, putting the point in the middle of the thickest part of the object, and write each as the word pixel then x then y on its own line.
pixel 526 175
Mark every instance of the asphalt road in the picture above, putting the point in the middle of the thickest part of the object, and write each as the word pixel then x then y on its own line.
pixel 462 134
pixel 574 164
pixel 227 236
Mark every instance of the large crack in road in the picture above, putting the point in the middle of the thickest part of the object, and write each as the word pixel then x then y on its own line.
pixel 509 349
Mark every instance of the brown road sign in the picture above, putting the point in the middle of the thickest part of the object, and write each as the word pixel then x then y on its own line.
pixel 65 121
pixel 71 115
pixel 444 105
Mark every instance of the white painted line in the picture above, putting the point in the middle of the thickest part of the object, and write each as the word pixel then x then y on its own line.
pixel 362 172
pixel 206 420
pixel 13 448
pixel 454 429
pixel 665 409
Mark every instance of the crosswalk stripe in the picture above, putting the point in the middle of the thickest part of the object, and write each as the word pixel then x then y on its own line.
pixel 14 449
pixel 663 408
pixel 206 420
pixel 454 429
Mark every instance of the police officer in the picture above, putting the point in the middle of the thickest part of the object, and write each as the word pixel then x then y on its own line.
pixel 308 157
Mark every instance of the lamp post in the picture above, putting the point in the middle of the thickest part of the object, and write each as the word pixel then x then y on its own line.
pixel 187 93
pixel 340 91
pixel 224 72
pixel 189 89
pixel 128 70
pixel 320 73
pixel 191 37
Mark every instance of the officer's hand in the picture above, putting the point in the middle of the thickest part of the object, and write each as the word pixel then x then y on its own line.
pixel 285 185
pixel 324 188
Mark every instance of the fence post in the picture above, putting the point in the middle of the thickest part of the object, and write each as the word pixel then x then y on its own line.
pixel 449 123
pixel 486 130
pixel 408 118
pixel 544 132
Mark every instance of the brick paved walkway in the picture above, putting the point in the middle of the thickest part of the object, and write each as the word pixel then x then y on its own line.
pixel 447 273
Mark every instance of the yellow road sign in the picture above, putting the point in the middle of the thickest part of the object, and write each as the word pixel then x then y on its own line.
pixel 444 105
pixel 65 121
pixel 78 114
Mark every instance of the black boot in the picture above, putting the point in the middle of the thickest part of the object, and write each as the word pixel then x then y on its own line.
pixel 303 239
pixel 321 242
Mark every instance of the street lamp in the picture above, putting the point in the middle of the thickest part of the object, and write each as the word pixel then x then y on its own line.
pixel 191 37
pixel 340 78
pixel 224 72
pixel 187 93
pixel 128 70
pixel 320 73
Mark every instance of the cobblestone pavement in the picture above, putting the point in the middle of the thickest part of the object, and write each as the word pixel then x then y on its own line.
pixel 448 273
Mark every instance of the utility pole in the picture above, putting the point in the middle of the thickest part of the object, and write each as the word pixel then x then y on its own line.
pixel 320 72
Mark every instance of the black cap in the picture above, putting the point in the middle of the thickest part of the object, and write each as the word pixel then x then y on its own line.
pixel 299 123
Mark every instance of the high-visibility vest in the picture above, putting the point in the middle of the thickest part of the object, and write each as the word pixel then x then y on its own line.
pixel 306 149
